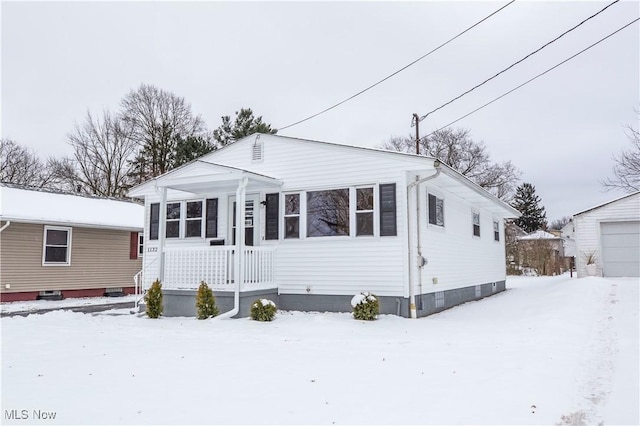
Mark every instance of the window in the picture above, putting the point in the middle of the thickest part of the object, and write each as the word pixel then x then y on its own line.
pixel 364 211
pixel 292 216
pixel 193 222
pixel 140 244
pixel 212 218
pixel 476 223
pixel 436 210
pixel 496 230
pixel 154 221
pixel 173 220
pixel 57 246
pixel 328 213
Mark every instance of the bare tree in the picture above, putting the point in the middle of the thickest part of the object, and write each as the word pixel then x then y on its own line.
pixel 103 151
pixel 626 172
pixel 456 149
pixel 560 223
pixel 22 166
pixel 157 118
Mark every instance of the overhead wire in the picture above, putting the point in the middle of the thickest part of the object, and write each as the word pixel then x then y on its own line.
pixel 519 61
pixel 398 71
pixel 532 79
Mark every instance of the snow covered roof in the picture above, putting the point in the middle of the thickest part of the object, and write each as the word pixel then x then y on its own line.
pixel 539 235
pixel 56 208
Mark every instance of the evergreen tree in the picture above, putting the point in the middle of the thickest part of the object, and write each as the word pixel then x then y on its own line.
pixel 206 302
pixel 190 148
pixel 528 203
pixel 244 125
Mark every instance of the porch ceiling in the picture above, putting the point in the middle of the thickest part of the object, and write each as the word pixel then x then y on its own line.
pixel 210 176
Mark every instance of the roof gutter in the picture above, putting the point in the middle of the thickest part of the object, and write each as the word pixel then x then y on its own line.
pixel 419 260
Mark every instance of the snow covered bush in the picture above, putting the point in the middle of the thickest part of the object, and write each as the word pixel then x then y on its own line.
pixel 365 306
pixel 206 302
pixel 263 310
pixel 153 300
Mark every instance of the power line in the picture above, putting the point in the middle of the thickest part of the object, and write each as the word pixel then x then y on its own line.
pixel 400 70
pixel 531 79
pixel 519 61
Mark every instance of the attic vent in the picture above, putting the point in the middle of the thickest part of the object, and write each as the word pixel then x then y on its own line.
pixel 257 151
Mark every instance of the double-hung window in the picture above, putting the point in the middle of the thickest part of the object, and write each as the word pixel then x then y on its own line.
pixel 496 230
pixel 476 223
pixel 173 220
pixel 193 220
pixel 364 211
pixel 57 246
pixel 292 215
pixel 436 210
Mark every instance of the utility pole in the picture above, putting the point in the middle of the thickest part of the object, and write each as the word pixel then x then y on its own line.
pixel 416 120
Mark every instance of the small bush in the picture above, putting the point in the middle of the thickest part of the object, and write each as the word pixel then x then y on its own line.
pixel 366 306
pixel 263 310
pixel 153 300
pixel 206 302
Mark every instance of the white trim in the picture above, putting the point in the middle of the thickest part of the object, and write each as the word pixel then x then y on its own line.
pixel 44 245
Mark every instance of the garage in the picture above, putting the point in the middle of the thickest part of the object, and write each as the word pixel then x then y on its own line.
pixel 620 243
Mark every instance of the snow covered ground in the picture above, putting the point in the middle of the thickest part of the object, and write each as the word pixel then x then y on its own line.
pixel 549 350
pixel 76 302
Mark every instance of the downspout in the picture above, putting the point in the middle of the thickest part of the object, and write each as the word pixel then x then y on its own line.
pixel 5 226
pixel 162 217
pixel 419 259
pixel 238 261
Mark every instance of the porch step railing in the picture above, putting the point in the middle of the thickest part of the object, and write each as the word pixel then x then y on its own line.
pixel 185 268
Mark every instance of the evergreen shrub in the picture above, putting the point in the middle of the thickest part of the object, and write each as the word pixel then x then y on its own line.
pixel 263 310
pixel 366 306
pixel 153 300
pixel 206 302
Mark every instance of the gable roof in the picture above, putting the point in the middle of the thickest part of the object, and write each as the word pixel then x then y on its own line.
pixel 633 194
pixel 539 235
pixel 30 205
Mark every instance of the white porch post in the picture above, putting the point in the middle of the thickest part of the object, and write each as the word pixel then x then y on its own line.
pixel 161 232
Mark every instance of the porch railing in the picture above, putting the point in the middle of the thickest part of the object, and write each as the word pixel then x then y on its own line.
pixel 185 268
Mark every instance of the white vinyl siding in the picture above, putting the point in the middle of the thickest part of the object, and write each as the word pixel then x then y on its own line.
pixel 588 227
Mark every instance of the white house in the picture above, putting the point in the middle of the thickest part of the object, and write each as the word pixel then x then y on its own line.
pixel 610 231
pixel 321 222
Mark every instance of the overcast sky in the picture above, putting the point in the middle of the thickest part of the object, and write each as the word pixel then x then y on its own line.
pixel 289 60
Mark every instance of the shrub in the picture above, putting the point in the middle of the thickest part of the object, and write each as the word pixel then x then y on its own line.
pixel 366 306
pixel 153 300
pixel 263 310
pixel 206 302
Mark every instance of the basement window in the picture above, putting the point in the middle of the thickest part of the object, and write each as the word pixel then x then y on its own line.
pixel 57 246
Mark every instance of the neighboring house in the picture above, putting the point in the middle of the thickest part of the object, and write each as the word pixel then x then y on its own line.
pixel 548 253
pixel 56 245
pixel 321 222
pixel 611 231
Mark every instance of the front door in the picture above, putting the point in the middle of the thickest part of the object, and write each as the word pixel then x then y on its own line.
pixel 251 220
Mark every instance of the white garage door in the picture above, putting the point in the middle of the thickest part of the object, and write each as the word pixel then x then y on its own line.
pixel 621 249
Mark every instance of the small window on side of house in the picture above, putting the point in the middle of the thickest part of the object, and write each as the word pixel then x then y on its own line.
pixel 56 249
pixel 140 244
pixel 496 230
pixel 436 210
pixel 476 223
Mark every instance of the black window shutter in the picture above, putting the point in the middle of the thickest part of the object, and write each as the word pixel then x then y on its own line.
pixel 154 221
pixel 432 210
pixel 271 216
pixel 211 224
pixel 388 209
